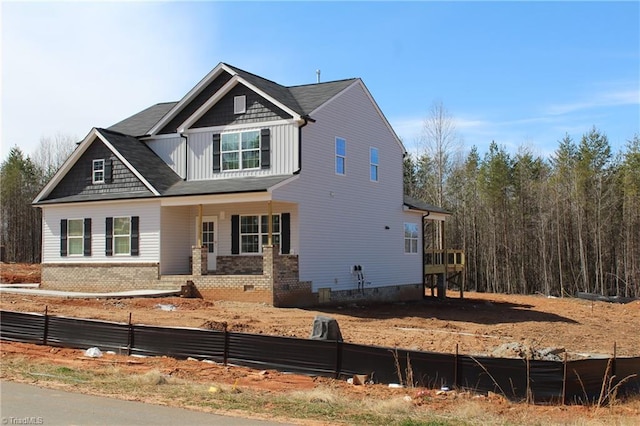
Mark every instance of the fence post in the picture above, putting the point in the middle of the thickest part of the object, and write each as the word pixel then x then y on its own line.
pixel 528 381
pixel 455 368
pixel 564 379
pixel 338 358
pixel 130 337
pixel 46 325
pixel 613 363
pixel 225 352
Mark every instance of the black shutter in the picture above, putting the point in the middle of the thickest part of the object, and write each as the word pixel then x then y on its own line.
pixel 135 235
pixel 265 148
pixel 87 236
pixel 108 171
pixel 216 153
pixel 285 233
pixel 235 234
pixel 109 237
pixel 63 237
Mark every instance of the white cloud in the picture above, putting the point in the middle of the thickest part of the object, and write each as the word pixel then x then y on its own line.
pixel 601 99
pixel 67 67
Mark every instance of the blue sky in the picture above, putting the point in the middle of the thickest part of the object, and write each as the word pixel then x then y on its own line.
pixel 522 74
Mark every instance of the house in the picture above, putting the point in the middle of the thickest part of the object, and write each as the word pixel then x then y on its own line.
pixel 248 189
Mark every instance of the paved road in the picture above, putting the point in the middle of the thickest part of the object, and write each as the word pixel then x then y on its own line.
pixel 30 405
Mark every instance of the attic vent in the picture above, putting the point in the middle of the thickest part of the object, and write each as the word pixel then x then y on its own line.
pixel 240 104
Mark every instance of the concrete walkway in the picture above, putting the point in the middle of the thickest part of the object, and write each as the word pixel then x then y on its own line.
pixel 31 289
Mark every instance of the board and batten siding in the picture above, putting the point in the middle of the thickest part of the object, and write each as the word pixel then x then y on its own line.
pixel 343 220
pixel 172 151
pixel 147 211
pixel 284 153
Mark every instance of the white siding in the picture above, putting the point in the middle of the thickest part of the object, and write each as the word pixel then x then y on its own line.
pixel 284 153
pixel 148 211
pixel 343 219
pixel 172 151
pixel 177 225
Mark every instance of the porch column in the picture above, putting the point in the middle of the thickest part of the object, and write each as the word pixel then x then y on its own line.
pixel 199 260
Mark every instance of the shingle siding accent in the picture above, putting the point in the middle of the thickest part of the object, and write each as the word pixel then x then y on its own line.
pixel 78 181
pixel 259 110
pixel 196 103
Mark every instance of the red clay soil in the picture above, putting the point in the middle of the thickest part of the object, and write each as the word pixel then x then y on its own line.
pixel 479 324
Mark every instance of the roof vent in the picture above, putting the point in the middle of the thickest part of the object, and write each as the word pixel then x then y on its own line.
pixel 317 76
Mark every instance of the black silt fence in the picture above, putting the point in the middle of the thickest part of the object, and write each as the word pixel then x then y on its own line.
pixel 573 382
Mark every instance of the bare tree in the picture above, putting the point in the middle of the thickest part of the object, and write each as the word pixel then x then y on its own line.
pixel 52 153
pixel 441 144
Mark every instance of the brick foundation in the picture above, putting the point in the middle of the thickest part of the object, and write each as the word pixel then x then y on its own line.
pixel 98 278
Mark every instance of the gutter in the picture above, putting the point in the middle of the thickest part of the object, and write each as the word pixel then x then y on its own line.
pixel 306 119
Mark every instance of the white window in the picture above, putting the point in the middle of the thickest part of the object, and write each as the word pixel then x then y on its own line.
pixel 121 235
pixel 98 171
pixel 254 232
pixel 341 155
pixel 411 238
pixel 75 237
pixel 240 104
pixel 373 164
pixel 240 151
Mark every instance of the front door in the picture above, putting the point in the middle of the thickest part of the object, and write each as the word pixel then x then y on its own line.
pixel 209 239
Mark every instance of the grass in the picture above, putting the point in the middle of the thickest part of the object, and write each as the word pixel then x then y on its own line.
pixel 320 404
pixel 325 403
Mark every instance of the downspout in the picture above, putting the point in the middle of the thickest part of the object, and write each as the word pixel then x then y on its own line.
pixel 186 155
pixel 306 119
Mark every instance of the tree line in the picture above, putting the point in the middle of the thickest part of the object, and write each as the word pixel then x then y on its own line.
pixel 21 179
pixel 530 224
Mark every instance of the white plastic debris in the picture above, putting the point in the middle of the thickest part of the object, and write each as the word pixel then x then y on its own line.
pixel 395 385
pixel 93 353
pixel 167 308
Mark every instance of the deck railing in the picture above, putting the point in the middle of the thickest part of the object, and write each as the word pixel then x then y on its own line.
pixel 437 261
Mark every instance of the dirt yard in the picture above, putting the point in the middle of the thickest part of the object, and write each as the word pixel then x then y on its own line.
pixel 479 324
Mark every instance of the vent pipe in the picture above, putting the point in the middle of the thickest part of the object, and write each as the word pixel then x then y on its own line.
pixel 317 76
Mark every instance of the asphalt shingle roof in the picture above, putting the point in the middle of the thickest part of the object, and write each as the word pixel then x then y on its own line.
pixel 143 159
pixel 139 124
pixel 421 205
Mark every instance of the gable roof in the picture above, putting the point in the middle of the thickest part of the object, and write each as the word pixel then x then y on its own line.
pixel 301 99
pixel 150 169
pixel 140 123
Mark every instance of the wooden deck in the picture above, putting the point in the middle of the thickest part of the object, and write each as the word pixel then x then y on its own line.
pixel 439 261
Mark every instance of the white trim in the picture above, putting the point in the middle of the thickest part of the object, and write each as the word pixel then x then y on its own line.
pixel 89 203
pixel 371 163
pixel 214 73
pixel 66 166
pixel 242 126
pixel 366 91
pixel 81 219
pixel 189 200
pixel 208 104
pixel 235 80
pixel 93 171
pixel 283 183
pixel 336 156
